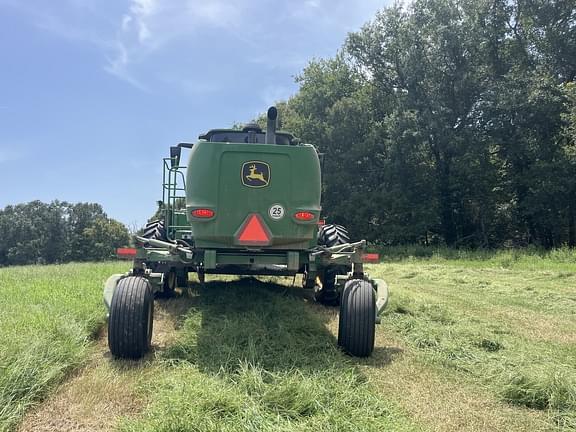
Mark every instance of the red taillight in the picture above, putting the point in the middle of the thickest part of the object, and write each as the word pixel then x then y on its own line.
pixel 370 258
pixel 125 253
pixel 304 216
pixel 203 213
pixel 321 222
pixel 253 232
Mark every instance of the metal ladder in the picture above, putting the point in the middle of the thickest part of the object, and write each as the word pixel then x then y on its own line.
pixel 174 197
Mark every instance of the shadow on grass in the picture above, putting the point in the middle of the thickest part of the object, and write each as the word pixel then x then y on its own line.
pixel 253 322
pixel 381 357
pixel 224 325
pixel 254 355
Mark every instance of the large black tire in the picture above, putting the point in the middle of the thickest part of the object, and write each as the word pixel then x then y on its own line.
pixel 331 235
pixel 182 278
pixel 131 318
pixel 155 230
pixel 357 326
pixel 327 294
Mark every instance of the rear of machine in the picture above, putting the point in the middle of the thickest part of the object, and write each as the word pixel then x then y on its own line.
pixel 230 184
pixel 248 203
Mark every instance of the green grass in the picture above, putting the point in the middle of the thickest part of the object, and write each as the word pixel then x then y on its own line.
pixel 470 341
pixel 524 259
pixel 48 317
pixel 255 356
pixel 508 330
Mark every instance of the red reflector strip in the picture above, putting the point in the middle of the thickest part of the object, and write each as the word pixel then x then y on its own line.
pixel 203 213
pixel 253 232
pixel 126 253
pixel 371 258
pixel 304 216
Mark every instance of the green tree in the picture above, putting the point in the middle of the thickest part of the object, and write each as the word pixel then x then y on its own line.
pixel 38 233
pixel 427 62
pixel 104 236
pixel 448 120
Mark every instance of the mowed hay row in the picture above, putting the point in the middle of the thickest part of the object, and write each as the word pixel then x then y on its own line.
pixel 510 331
pixel 256 356
pixel 49 315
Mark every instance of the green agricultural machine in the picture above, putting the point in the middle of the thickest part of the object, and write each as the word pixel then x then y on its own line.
pixel 247 203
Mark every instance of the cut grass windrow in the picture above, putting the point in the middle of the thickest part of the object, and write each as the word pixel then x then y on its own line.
pixel 486 333
pixel 254 356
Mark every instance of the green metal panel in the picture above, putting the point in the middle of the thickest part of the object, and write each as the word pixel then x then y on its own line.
pixel 293 261
pixel 110 287
pixel 210 259
pixel 236 180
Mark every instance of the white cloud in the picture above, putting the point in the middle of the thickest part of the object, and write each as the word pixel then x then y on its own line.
pixel 140 12
pixel 264 32
pixel 118 66
pixel 150 25
pixel 144 40
pixel 144 7
pixel 154 23
pixel 126 21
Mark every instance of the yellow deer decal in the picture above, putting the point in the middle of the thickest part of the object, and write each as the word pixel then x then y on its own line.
pixel 255 175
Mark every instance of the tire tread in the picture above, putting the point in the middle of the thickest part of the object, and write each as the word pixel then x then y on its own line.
pixel 333 235
pixel 155 230
pixel 128 335
pixel 357 321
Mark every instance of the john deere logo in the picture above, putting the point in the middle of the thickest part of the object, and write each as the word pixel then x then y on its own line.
pixel 255 174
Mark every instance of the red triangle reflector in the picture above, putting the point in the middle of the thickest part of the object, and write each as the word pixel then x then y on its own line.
pixel 253 232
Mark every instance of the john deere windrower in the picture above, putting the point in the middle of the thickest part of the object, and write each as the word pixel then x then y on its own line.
pixel 247 203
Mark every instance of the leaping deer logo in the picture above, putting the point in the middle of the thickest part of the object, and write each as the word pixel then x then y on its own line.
pixel 255 174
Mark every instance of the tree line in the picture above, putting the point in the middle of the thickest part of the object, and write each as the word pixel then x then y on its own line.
pixel 442 122
pixel 449 122
pixel 40 233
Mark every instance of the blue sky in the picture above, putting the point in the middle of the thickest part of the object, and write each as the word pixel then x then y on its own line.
pixel 93 92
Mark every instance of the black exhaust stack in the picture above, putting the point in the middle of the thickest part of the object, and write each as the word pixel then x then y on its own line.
pixel 272 115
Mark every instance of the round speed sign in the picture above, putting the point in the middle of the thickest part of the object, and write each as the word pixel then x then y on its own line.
pixel 276 211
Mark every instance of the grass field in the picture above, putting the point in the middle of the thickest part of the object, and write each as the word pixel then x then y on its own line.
pixel 48 317
pixel 469 342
